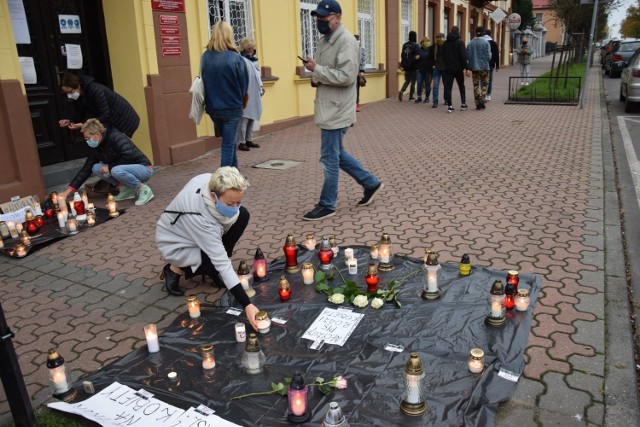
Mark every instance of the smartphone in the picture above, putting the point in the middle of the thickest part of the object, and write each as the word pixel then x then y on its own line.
pixel 304 61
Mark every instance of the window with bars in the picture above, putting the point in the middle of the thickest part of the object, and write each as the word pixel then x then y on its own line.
pixel 308 31
pixel 236 12
pixel 406 19
pixel 367 31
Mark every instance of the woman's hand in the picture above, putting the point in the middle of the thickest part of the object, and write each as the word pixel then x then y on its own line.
pixel 64 123
pixel 75 126
pixel 251 311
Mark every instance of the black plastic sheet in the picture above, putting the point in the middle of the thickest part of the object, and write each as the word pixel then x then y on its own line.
pixel 442 332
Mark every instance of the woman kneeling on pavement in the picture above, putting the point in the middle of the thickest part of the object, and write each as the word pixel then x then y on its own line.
pixel 197 232
pixel 115 159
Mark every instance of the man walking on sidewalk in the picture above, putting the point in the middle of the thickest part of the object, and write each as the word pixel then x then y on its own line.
pixel 479 54
pixel 455 62
pixel 409 63
pixel 335 72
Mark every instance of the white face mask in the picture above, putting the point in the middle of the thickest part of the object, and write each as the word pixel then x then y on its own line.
pixel 73 95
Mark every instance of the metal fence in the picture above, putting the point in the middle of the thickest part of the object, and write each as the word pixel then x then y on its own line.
pixel 561 90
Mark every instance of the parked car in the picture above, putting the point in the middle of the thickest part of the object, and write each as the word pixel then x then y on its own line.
pixel 605 50
pixel 620 54
pixel 630 82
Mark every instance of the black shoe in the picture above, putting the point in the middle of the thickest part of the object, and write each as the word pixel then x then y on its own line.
pixel 411 98
pixel 250 144
pixel 418 100
pixel 400 96
pixel 318 213
pixel 478 106
pixel 483 105
pixel 435 105
pixel 464 107
pixel 369 194
pixel 426 100
pixel 450 109
pixel 243 147
pixel 171 281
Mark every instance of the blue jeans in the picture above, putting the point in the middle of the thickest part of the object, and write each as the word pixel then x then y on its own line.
pixel 490 80
pixel 334 157
pixel 424 79
pixel 436 84
pixel 228 128
pixel 130 175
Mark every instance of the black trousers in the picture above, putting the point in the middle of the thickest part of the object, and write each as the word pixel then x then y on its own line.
pixel 458 76
pixel 409 78
pixel 229 240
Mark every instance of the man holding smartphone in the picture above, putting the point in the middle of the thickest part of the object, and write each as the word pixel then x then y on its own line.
pixel 335 71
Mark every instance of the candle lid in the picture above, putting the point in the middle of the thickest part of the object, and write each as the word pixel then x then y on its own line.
pixel 297 382
pixel 332 242
pixel 311 236
pixel 477 353
pixel 523 292
pixel 513 272
pixel 262 315
pixel 307 265
pixel 325 244
pixel 206 348
pixel 28 216
pixel 243 268
pixel 375 245
pixel 497 288
pixel 385 239
pixel 284 283
pixel 465 259
pixel 372 269
pixel 54 359
pixel 253 346
pixel 432 258
pixel 414 365
pixel 259 254
pixel 334 415
pixel 192 298
pixel 290 240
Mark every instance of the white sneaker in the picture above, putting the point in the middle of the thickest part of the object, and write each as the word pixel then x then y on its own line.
pixel 488 98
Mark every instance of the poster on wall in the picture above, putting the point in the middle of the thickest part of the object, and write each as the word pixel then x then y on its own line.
pixel 69 24
pixel 28 70
pixel 19 22
pixel 74 56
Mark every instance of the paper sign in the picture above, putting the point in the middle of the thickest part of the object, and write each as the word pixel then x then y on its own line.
pixel 17 216
pixel 194 418
pixel 74 56
pixel 28 70
pixel 508 375
pixel 234 311
pixel 69 24
pixel 333 326
pixel 19 22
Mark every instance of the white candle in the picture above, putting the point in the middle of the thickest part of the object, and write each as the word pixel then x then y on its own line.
pixel 374 252
pixel 522 303
pixel 63 209
pixel 241 332
pixel 61 219
pixel 353 266
pixel 19 227
pixel 310 242
pixel 253 363
pixel 59 380
pixel 208 361
pixel 72 225
pixel 73 210
pixel 496 309
pixel 91 220
pixel 37 208
pixel 432 278
pixel 384 254
pixel 413 388
pixel 476 366
pixel 194 311
pixel 151 333
pixel 307 276
pixel 12 229
pixel 244 281
pixel 348 254
pixel 264 326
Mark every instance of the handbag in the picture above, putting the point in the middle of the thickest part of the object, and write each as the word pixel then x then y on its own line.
pixel 362 81
pixel 197 100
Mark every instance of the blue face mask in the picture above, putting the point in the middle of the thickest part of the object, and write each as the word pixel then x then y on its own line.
pixel 323 27
pixel 92 143
pixel 225 210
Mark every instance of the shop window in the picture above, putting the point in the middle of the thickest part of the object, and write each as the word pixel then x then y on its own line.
pixel 308 31
pixel 406 19
pixel 236 12
pixel 366 29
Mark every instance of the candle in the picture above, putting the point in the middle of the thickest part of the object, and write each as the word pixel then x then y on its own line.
pixel 298 406
pixel 4 229
pixel 85 199
pixel 1 242
pixel 241 332
pixel 253 363
pixel 63 209
pixel 263 321
pixel 353 266
pixel 59 380
pixel 261 270
pixel 375 250
pixel 432 278
pixel 307 273
pixel 20 250
pixel 26 239
pixel 522 300
pixel 91 219
pixel 348 254
pixel 244 281
pixel 384 253
pixel 72 225
pixel 310 242
pixel 496 309
pixel 476 360
pixel 61 219
pixel 151 333
pixel 73 209
pixel 91 207
pixel 12 229
pixel 19 227
pixel 208 360
pixel 111 205
pixel 37 208
pixel 193 305
pixel 413 388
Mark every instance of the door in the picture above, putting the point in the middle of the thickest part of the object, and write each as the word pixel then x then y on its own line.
pixel 52 26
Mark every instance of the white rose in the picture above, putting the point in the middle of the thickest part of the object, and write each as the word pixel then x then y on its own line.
pixel 377 302
pixel 336 298
pixel 360 301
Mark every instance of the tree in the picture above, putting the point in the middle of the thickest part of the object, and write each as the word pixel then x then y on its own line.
pixel 630 26
pixel 524 8
pixel 576 17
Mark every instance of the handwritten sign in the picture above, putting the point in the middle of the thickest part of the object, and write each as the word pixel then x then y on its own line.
pixel 120 405
pixel 17 216
pixel 333 326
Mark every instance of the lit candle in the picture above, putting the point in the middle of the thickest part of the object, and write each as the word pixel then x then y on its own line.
pixel 353 266
pixel 72 225
pixel 19 227
pixel 259 267
pixel 73 209
pixel 24 236
pixel 59 380
pixel 522 300
pixel 432 278
pixel 37 208
pixel 91 219
pixel 208 360
pixel 111 205
pixel 20 250
pixel 261 270
pixel 384 253
pixel 298 406
pixel 91 207
pixel 307 273
pixel 63 209
pixel 476 360
pixel 12 229
pixel 61 219
pixel 496 309
pixel 310 242
pixel 284 289
pixel 375 250
pixel 151 333
pixel 57 373
pixel 241 332
pixel 193 305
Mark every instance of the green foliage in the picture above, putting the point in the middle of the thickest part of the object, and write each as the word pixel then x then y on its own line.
pixel 564 89
pixel 630 26
pixel 524 8
pixel 280 388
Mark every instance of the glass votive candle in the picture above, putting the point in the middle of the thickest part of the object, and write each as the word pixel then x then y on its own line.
pixel 91 218
pixel 476 360
pixel 310 242
pixel 263 321
pixel 208 360
pixel 348 254
pixel 61 220
pixel 20 250
pixel 241 332
pixel 193 305
pixel 12 229
pixel 522 300
pixel 284 289
pixel 352 263
pixel 375 250
pixel 307 273
pixel 151 334
pixel 25 238
pixel 19 227
pixel 72 225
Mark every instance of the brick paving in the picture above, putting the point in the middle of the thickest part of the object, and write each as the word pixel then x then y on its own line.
pixel 515 186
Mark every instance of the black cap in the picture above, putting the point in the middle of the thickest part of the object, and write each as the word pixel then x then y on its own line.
pixel 327 7
pixel 480 31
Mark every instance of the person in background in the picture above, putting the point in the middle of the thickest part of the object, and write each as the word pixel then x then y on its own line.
pixel 438 66
pixel 454 55
pixel 335 74
pixel 425 68
pixel 197 232
pixel 363 62
pixel 114 158
pixel 524 59
pixel 495 60
pixel 95 100
pixel 409 63
pixel 479 55
pixel 250 120
pixel 226 81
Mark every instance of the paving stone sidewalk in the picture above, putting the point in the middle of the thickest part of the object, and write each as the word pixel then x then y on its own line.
pixel 515 186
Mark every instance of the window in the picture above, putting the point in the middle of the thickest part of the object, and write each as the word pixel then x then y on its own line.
pixel 539 17
pixel 430 23
pixel 446 21
pixel 406 19
pixel 366 29
pixel 308 30
pixel 236 12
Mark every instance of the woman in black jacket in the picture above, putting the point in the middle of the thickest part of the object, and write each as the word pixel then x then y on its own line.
pixel 115 159
pixel 95 100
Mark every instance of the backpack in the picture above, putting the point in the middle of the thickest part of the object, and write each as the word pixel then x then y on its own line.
pixel 406 57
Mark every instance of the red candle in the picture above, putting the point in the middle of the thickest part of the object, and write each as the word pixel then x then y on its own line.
pixel 40 221
pixel 32 227
pixel 513 279
pixel 78 205
pixel 48 212
pixel 509 302
pixel 291 254
pixel 372 282
pixel 285 294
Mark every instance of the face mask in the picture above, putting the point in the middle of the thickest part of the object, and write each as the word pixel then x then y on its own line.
pixel 440 42
pixel 227 211
pixel 426 44
pixel 73 95
pixel 323 27
pixel 93 143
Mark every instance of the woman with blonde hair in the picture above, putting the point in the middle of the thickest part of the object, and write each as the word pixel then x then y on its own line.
pixel 226 82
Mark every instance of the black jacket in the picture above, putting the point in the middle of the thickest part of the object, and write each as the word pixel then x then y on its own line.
pixel 425 63
pixel 100 102
pixel 494 62
pixel 436 53
pixel 454 54
pixel 115 149
pixel 410 49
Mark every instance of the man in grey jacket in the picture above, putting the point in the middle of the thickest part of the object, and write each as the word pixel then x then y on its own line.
pixel 335 72
pixel 479 55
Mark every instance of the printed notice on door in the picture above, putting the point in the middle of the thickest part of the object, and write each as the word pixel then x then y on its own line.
pixel 28 70
pixel 333 326
pixel 74 56
pixel 19 22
